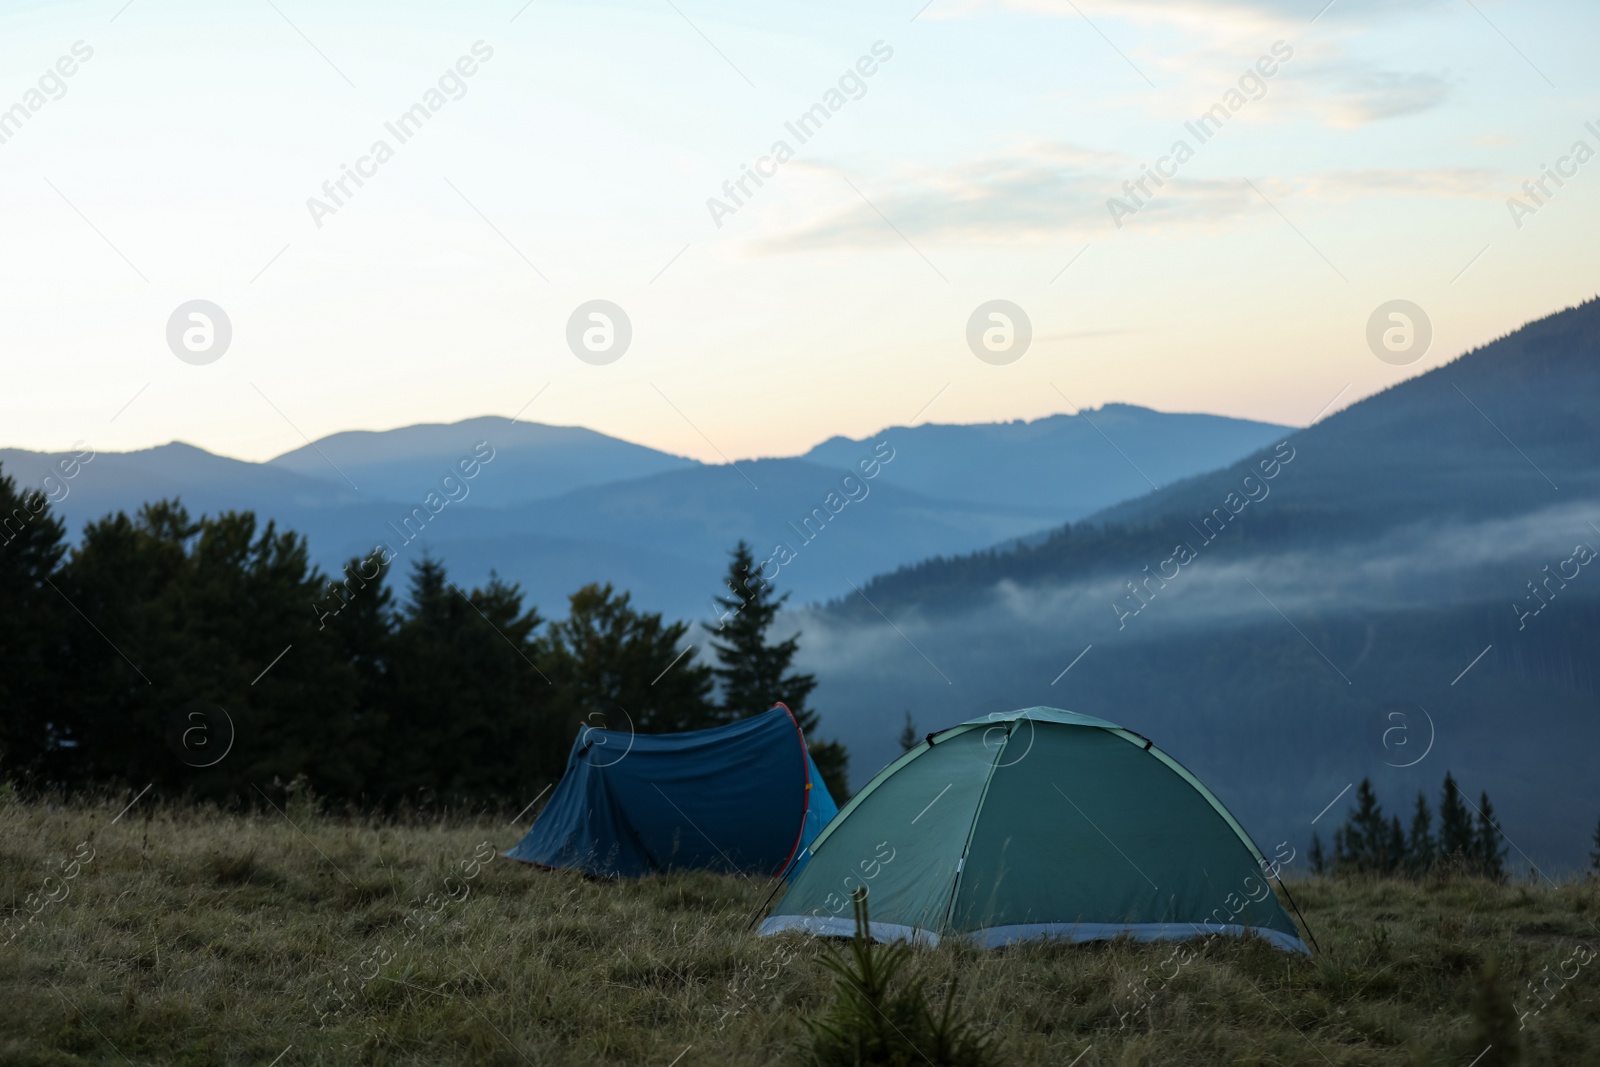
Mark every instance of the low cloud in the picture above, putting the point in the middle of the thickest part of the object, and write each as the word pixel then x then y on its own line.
pixel 1032 194
pixel 1387 94
pixel 1429 182
pixel 1045 193
pixel 1411 566
pixel 1203 12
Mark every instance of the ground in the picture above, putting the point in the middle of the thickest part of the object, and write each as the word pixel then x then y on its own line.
pixel 187 935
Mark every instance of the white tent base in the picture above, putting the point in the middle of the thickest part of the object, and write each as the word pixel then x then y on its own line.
pixel 998 936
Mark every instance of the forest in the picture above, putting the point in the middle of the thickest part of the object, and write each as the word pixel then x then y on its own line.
pixel 207 656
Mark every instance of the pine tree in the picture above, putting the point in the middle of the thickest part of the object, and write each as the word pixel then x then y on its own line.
pixel 1344 856
pixel 1491 856
pixel 469 713
pixel 1456 838
pixel 754 675
pixel 1421 849
pixel 1394 853
pixel 33 735
pixel 611 665
pixel 1364 841
pixel 1317 858
pixel 908 735
pixel 200 609
pixel 1594 857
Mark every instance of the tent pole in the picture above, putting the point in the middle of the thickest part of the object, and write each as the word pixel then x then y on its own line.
pixel 777 884
pixel 1297 912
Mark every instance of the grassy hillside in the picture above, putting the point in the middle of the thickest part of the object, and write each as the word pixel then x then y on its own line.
pixel 193 936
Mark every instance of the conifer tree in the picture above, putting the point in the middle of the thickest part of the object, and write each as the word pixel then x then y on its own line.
pixel 32 731
pixel 1594 857
pixel 466 704
pixel 754 674
pixel 1490 854
pixel 1394 853
pixel 1456 839
pixel 1316 856
pixel 613 665
pixel 908 734
pixel 1421 848
pixel 216 612
pixel 1367 837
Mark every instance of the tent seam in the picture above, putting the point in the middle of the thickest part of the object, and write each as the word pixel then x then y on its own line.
pixel 868 789
pixel 966 845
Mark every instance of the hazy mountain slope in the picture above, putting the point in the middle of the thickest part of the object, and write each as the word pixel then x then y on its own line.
pixel 665 537
pixel 1406 560
pixel 113 481
pixel 556 506
pixel 1244 697
pixel 1063 466
pixel 1418 452
pixel 544 461
pixel 1478 436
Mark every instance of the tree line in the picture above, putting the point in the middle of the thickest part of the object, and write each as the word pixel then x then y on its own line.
pixel 1468 841
pixel 210 656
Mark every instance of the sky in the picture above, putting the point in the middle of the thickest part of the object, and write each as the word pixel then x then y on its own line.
pixel 585 155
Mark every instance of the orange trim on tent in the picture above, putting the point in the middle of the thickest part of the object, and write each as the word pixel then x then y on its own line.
pixel 805 768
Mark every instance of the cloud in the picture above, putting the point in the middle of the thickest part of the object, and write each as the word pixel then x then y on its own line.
pixel 1387 94
pixel 1043 193
pixel 1032 194
pixel 1430 182
pixel 1185 44
pixel 1040 195
pixel 1436 564
pixel 1205 13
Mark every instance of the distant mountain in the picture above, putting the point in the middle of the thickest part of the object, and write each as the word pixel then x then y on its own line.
pixel 1504 430
pixel 1418 570
pixel 665 538
pixel 547 461
pixel 122 481
pixel 1500 430
pixel 559 506
pixel 1073 465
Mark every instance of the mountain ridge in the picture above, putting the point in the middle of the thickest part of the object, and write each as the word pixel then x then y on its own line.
pixel 655 523
pixel 1488 433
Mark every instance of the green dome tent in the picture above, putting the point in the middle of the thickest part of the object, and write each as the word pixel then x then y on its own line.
pixel 1036 824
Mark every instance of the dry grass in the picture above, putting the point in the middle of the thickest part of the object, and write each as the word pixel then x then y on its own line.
pixel 201 937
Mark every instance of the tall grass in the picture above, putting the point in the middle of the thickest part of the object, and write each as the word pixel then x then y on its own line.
pixel 199 936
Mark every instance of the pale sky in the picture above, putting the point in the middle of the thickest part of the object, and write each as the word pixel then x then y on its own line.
pixel 974 164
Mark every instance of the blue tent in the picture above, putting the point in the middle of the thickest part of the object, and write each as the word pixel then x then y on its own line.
pixel 745 797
